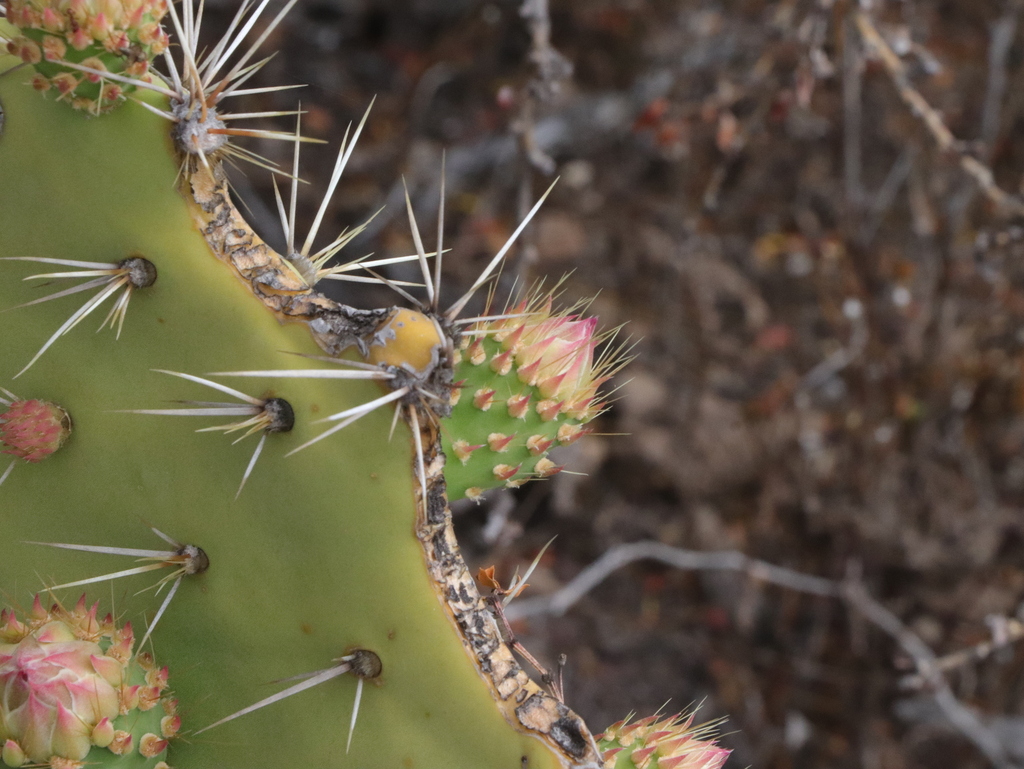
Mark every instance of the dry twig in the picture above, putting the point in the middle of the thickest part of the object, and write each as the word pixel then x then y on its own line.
pixel 1004 631
pixel 850 590
pixel 932 120
pixel 551 69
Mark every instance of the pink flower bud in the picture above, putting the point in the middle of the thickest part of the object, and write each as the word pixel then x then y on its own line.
pixel 63 695
pixel 33 429
pixel 553 352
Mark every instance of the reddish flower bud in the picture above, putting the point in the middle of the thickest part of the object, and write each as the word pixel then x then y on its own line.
pixel 33 429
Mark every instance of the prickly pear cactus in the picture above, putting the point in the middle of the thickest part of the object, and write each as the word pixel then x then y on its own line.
pixel 273 530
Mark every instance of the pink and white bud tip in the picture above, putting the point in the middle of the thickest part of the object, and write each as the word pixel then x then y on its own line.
pixel 72 693
pixel 33 429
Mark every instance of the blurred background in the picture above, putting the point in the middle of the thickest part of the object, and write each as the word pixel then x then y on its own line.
pixel 789 205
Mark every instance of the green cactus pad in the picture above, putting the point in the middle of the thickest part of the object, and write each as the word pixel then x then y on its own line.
pixel 317 557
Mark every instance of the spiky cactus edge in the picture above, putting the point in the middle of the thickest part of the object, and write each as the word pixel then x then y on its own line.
pixel 222 568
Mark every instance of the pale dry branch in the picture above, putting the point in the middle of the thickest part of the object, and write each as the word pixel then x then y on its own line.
pixel 617 557
pixel 931 119
pixel 1002 33
pixel 853 80
pixel 963 718
pixel 850 590
pixel 1004 632
pixel 551 69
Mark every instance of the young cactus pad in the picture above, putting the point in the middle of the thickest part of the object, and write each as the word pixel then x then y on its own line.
pixel 300 582
pixel 529 383
pixel 317 557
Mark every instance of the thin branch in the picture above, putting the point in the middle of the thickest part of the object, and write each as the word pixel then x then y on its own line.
pixel 964 719
pixel 1004 632
pixel 617 557
pixel 853 80
pixel 932 120
pixel 1001 36
pixel 552 68
pixel 850 590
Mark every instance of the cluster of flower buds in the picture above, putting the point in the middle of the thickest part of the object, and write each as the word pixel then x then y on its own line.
pixel 72 693
pixel 72 43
